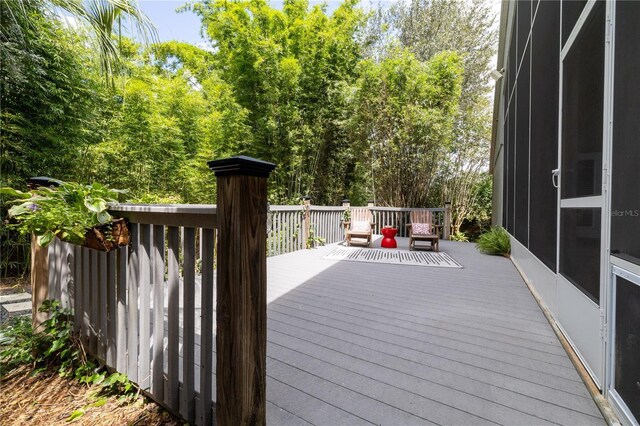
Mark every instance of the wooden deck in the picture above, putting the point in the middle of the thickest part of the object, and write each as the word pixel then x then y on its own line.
pixel 359 343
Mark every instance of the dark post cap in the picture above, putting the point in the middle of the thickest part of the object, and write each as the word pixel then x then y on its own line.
pixel 305 197
pixel 371 201
pixel 447 202
pixel 241 165
pixel 43 181
pixel 346 200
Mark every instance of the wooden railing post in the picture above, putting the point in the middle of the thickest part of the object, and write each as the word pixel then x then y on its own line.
pixel 447 220
pixel 241 310
pixel 307 221
pixel 39 282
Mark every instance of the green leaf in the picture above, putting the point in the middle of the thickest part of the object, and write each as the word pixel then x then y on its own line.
pixel 45 239
pixel 104 217
pixel 57 344
pixel 96 378
pixel 21 209
pixel 14 193
pixel 95 205
pixel 100 402
pixel 76 414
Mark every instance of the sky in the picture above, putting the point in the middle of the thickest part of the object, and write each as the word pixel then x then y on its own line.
pixel 185 26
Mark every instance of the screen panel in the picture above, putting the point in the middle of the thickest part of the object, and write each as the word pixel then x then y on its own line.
pixel 512 171
pixel 625 169
pixel 524 25
pixel 512 63
pixel 627 333
pixel 522 153
pixel 582 109
pixel 580 254
pixel 571 10
pixel 545 68
pixel 505 174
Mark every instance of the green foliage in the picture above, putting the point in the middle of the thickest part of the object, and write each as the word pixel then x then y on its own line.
pixel 483 192
pixel 426 28
pixel 314 240
pixel 346 215
pixel 459 236
pixel 16 344
pixel 403 117
pixel 398 112
pixel 496 241
pixel 56 347
pixel 15 252
pixel 66 211
pixel 287 69
pixel 50 98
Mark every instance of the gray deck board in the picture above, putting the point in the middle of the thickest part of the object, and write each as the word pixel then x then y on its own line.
pixel 359 343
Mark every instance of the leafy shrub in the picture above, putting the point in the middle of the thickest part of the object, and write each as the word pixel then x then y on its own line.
pixel 314 240
pixel 56 347
pixel 459 236
pixel 496 241
pixel 67 211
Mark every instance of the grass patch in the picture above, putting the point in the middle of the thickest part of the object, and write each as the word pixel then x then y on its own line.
pixel 496 241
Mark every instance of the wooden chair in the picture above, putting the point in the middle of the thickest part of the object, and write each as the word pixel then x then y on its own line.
pixel 360 226
pixel 421 228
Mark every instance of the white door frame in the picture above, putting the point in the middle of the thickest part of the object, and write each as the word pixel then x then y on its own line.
pixel 597 367
pixel 634 277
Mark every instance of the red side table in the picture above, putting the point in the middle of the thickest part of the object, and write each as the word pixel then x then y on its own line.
pixel 389 240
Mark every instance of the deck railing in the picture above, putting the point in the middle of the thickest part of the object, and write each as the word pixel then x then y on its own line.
pixel 326 222
pixel 290 227
pixel 137 309
pixel 147 309
pixel 285 228
pixel 399 218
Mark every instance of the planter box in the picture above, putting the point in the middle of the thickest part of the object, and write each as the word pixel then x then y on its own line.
pixel 109 236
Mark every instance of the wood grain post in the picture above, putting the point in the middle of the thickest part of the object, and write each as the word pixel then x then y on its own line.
pixel 39 282
pixel 241 310
pixel 307 221
pixel 447 220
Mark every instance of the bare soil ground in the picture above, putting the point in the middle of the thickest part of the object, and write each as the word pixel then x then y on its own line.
pixel 11 285
pixel 48 399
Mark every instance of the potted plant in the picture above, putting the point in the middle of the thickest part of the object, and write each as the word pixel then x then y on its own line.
pixel 73 212
pixel 346 215
pixel 314 240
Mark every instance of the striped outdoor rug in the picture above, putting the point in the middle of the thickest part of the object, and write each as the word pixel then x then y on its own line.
pixel 397 257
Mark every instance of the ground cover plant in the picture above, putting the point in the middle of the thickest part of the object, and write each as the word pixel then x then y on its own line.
pixel 55 350
pixel 496 241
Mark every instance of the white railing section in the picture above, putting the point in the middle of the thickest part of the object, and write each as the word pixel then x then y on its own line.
pixel 399 217
pixel 148 309
pixel 326 222
pixel 285 230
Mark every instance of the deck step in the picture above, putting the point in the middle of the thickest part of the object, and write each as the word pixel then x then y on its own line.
pixel 18 297
pixel 18 307
pixel 13 305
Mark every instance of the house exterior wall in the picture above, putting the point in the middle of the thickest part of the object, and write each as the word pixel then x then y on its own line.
pixel 580 249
